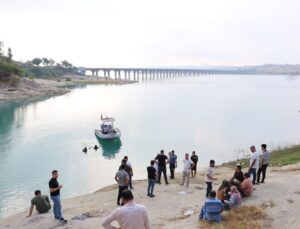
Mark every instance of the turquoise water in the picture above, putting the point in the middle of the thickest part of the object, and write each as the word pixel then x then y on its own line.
pixel 218 116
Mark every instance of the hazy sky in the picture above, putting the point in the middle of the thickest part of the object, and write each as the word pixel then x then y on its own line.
pixel 138 33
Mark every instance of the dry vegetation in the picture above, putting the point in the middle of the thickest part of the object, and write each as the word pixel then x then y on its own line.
pixel 245 217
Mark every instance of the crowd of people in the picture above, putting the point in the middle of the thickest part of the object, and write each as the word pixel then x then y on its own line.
pixel 229 195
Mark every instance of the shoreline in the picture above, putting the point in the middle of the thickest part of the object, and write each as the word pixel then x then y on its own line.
pixel 23 88
pixel 167 209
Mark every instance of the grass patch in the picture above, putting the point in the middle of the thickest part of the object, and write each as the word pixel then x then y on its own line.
pixel 245 217
pixel 279 157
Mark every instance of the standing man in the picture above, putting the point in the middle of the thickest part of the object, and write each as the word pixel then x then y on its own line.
pixel 41 203
pixel 162 161
pixel 264 164
pixel 130 216
pixel 55 188
pixel 209 177
pixel 130 172
pixel 254 163
pixel 187 167
pixel 194 158
pixel 151 178
pixel 172 163
pixel 122 178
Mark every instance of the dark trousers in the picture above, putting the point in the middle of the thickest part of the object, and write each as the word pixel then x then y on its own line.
pixel 172 171
pixel 253 172
pixel 162 169
pixel 208 188
pixel 130 181
pixel 121 188
pixel 262 169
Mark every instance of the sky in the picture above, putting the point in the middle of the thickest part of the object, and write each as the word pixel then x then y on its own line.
pixel 139 33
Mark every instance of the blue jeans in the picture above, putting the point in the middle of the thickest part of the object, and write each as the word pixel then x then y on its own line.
pixel 253 172
pixel 208 188
pixel 56 206
pixel 151 184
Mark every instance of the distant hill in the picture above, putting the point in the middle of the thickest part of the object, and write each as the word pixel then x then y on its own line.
pixel 267 69
pixel 275 69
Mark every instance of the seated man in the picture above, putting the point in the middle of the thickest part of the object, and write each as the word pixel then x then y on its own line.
pixel 246 187
pixel 238 176
pixel 41 203
pixel 212 208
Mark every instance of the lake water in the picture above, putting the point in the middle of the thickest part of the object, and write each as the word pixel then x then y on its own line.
pixel 217 116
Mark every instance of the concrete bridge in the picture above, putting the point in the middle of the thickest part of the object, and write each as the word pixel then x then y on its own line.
pixel 138 74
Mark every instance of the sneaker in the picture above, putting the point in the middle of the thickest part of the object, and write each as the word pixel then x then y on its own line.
pixel 152 195
pixel 63 220
pixel 167 183
pixel 148 194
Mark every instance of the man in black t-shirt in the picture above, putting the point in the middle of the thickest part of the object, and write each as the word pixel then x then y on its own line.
pixel 194 159
pixel 55 196
pixel 238 176
pixel 162 159
pixel 151 178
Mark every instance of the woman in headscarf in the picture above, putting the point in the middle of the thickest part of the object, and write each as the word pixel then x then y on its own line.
pixel 235 198
pixel 223 191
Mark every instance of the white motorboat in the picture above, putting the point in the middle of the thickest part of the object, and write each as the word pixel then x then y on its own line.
pixel 107 129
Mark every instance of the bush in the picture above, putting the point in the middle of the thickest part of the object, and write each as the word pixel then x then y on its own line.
pixel 9 68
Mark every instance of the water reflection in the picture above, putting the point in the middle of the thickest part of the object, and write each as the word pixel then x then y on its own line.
pixel 110 147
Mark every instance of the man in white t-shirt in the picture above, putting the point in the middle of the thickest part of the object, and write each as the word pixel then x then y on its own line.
pixel 254 163
pixel 209 177
pixel 130 216
pixel 188 164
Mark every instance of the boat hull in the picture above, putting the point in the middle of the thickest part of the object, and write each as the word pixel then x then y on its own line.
pixel 115 135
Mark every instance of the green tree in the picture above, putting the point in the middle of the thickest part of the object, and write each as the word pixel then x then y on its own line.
pixel 1 48
pixel 10 55
pixel 66 64
pixel 51 62
pixel 36 61
pixel 46 62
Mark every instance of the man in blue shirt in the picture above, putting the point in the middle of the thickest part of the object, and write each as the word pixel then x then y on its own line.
pixel 173 163
pixel 211 209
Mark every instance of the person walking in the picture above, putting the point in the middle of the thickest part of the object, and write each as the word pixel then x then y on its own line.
pixel 122 178
pixel 130 216
pixel 188 164
pixel 172 163
pixel 194 158
pixel 209 177
pixel 41 203
pixel 264 164
pixel 162 161
pixel 151 178
pixel 55 188
pixel 254 163
pixel 130 171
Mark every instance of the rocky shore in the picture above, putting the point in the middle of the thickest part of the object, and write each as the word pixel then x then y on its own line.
pixel 21 88
pixel 176 206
